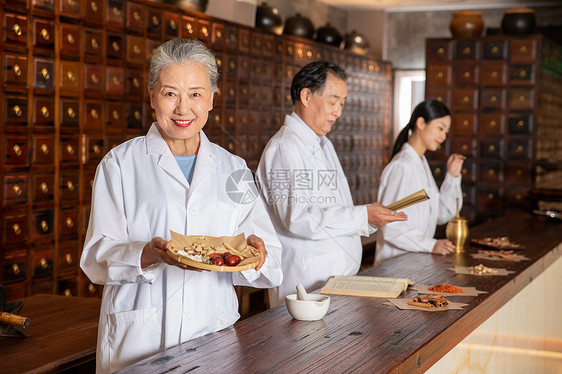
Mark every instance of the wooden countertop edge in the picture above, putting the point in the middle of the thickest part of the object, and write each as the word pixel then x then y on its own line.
pixel 432 352
pixel 69 362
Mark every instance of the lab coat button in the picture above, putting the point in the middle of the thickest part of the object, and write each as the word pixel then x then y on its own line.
pixel 193 211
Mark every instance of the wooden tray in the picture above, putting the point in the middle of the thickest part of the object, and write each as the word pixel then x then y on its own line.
pixel 238 242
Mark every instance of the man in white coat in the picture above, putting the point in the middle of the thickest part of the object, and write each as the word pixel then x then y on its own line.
pixel 171 179
pixel 306 191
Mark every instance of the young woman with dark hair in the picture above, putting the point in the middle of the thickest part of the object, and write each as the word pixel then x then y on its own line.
pixel 409 172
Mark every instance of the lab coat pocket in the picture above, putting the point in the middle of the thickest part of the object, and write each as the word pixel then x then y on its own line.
pixel 226 218
pixel 134 335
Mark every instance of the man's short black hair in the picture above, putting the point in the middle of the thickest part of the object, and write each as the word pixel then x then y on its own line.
pixel 313 76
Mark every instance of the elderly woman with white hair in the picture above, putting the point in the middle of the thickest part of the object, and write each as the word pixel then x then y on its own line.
pixel 172 178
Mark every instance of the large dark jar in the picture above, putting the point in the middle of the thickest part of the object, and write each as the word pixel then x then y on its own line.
pixel 298 25
pixel 518 21
pixel 268 18
pixel 329 35
pixel 356 43
pixel 190 5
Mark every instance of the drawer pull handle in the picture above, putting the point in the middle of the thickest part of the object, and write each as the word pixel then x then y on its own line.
pixel 491 148
pixel 91 288
pixel 67 293
pixel 69 149
pixel 116 11
pixel 217 118
pixel 491 172
pixel 495 50
pixel 523 74
pixel 70 39
pixel 45 149
pixel 155 21
pixel 173 25
pixel 68 258
pixel 437 171
pixel 519 149
pixel 17 70
pixel 16 229
pixel 45 112
pixel 45 34
pixel 17 190
pixel 136 82
pixel 466 51
pixel 94 114
pixel 299 52
pixel 491 196
pixel 136 16
pixel 440 75
pixel 464 195
pixel 439 98
pixel 522 98
pixel 94 79
pixel 44 226
pixel 71 76
pixel 44 188
pixel 17 150
pixel 494 74
pixel 492 123
pixel 231 92
pixel 230 119
pixel 218 34
pixel 464 171
pixel 69 222
pixel 205 31
pixel 137 115
pixel 96 148
pixel 136 50
pixel 523 49
pixel 115 114
pixel 440 51
pixel 45 74
pixel 17 111
pixel 70 185
pixel 493 99
pixel 16 269
pixel 71 113
pixel 94 43
pixel 518 172
pixel 518 197
pixel 466 74
pixel 466 99
pixel 17 29
pixel 308 54
pixel 189 28
pixel 71 3
pixel 115 46
pixel 94 6
pixel 219 62
pixel 43 263
pixel 464 147
pixel 115 81
pixel 230 146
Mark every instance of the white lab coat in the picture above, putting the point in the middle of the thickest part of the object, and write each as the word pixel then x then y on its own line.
pixel 318 226
pixel 405 174
pixel 140 193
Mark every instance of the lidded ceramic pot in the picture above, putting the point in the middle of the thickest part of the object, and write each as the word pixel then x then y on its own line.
pixel 466 24
pixel 518 21
pixel 298 25
pixel 356 42
pixel 328 34
pixel 268 18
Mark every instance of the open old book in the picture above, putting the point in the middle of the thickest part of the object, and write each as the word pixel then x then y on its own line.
pixel 412 199
pixel 366 286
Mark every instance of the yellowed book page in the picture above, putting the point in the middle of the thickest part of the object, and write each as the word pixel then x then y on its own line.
pixel 365 286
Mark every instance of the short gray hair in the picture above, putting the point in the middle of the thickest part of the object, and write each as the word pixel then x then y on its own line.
pixel 178 51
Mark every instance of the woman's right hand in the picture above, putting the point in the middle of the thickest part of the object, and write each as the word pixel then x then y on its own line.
pixel 443 247
pixel 155 251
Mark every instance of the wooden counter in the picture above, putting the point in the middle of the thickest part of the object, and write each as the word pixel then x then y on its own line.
pixel 362 334
pixel 63 335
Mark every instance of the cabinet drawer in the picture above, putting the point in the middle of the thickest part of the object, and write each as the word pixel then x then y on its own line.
pixel 135 49
pixel 465 99
pixel 171 25
pixel 523 50
pixel 151 46
pixel 468 195
pixel 134 115
pixel 490 198
pixel 14 228
pixel 42 262
pixel 492 123
pixel 439 50
pixel 438 169
pixel 188 27
pixel 15 152
pixel 15 29
pixel 154 21
pixel 14 267
pixel 496 49
pixel 467 49
pixel 68 185
pixel 464 124
pixel 520 149
pixel 468 171
pixel 115 115
pixel 90 289
pixel 67 287
pixel 114 13
pixel 68 222
pixel 43 33
pixel 44 73
pixel 231 40
pixel 464 145
pixel 93 116
pixel 204 31
pixel 70 75
pixel 15 112
pixel 218 35
pixel 44 111
pixel 43 187
pixel 466 73
pixel 243 68
pixel 134 19
pixel 69 8
pixel 492 99
pixel 114 78
pixel 94 147
pixel 491 172
pixel 15 189
pixel 439 94
pixel 438 75
pixel 521 99
pixel 69 149
pixel 494 73
pixel 69 40
pixel 518 174
pixel 522 74
pixel 43 224
pixel 516 197
pixel 70 112
pixel 68 257
pixel 93 78
pixel 520 124
pixel 93 40
pixel 114 46
pixel 491 147
pixel 15 70
pixel 134 82
pixel 92 11
pixel 43 149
